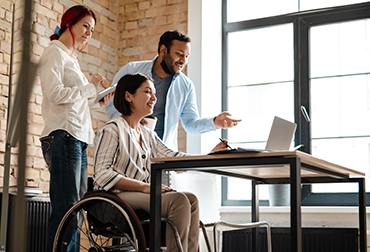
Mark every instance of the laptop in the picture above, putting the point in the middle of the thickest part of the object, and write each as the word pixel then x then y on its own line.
pixel 281 134
pixel 279 139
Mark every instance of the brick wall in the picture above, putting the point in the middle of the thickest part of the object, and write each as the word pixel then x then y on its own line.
pixel 140 25
pixel 126 30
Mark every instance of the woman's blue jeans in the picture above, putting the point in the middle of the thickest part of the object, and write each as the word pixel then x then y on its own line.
pixel 67 161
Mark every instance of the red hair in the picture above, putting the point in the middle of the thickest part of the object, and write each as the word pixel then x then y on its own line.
pixel 72 16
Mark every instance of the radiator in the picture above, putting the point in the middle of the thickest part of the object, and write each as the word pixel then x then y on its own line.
pixel 313 240
pixel 38 212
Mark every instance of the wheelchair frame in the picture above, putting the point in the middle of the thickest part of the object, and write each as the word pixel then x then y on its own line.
pixel 89 226
pixel 101 233
pixel 78 232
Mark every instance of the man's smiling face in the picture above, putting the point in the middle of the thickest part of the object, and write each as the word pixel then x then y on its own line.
pixel 176 57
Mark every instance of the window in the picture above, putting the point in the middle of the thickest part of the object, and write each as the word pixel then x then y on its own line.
pixel 274 63
pixel 340 96
pixel 254 95
pixel 239 10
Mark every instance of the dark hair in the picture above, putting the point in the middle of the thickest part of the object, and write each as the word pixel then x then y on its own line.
pixel 128 83
pixel 169 36
pixel 72 16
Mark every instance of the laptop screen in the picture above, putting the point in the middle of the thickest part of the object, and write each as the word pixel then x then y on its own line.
pixel 281 134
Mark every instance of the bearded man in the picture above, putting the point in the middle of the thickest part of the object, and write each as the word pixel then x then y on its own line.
pixel 175 92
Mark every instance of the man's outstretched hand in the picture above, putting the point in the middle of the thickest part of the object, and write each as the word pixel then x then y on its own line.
pixel 224 121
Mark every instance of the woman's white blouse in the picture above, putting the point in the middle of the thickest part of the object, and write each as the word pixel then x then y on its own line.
pixel 117 154
pixel 66 93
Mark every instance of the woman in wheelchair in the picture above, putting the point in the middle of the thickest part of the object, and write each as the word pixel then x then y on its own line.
pixel 122 153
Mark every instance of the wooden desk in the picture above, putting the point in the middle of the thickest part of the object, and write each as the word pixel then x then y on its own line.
pixel 290 167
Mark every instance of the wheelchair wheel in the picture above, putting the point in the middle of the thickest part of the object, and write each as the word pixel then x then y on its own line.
pixel 100 222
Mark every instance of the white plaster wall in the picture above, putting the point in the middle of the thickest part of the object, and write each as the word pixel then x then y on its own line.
pixel 204 69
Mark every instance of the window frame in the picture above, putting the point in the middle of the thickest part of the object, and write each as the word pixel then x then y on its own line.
pixel 302 22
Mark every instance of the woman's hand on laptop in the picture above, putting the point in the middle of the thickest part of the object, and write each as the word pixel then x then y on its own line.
pixel 224 121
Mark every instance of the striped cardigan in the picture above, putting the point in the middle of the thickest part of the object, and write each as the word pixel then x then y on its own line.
pixel 117 154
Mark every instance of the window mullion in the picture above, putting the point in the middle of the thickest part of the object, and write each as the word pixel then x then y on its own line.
pixel 301 84
pixel 224 74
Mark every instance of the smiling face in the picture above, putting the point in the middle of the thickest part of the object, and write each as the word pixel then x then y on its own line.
pixel 83 29
pixel 176 57
pixel 143 101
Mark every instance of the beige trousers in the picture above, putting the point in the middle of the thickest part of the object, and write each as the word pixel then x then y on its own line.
pixel 181 208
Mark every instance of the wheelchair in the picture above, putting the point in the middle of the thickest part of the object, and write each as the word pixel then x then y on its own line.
pixel 105 223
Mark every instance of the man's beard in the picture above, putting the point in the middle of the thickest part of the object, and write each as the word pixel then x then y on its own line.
pixel 168 70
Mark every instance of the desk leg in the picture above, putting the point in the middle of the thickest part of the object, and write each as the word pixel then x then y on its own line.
pixel 362 214
pixel 255 215
pixel 295 205
pixel 155 209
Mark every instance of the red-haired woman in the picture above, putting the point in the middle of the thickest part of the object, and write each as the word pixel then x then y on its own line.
pixel 67 99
